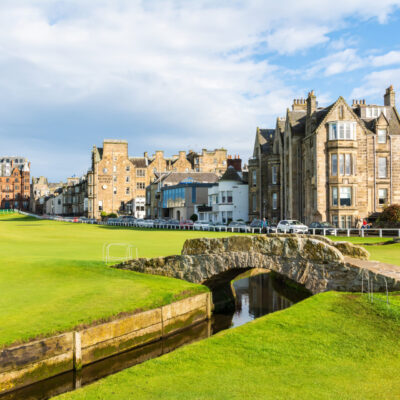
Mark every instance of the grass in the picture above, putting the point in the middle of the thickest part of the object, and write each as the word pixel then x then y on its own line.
pixel 330 346
pixel 387 253
pixel 52 277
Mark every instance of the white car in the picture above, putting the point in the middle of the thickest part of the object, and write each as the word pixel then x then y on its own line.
pixel 291 226
pixel 201 225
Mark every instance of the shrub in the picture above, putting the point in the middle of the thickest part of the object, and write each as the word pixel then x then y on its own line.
pixel 194 217
pixel 390 216
pixel 112 215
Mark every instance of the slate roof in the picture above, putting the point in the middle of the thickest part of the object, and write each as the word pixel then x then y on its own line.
pixel 174 178
pixel 297 121
pixel 266 140
pixel 138 162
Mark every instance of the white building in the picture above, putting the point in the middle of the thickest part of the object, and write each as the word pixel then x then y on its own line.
pixel 54 204
pixel 227 199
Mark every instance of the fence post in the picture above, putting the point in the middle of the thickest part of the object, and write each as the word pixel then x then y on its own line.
pixel 380 232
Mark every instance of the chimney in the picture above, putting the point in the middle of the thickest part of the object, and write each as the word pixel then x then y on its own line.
pixel 235 163
pixel 146 154
pixel 299 104
pixel 182 155
pixel 311 103
pixel 389 97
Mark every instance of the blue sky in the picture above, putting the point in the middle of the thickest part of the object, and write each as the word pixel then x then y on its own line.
pixel 178 75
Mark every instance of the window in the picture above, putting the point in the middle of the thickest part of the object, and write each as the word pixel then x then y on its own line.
pixel 347 164
pixel 127 179
pixel 334 196
pixel 254 178
pixel 105 170
pixel 254 202
pixel 334 164
pixel 115 168
pixel 274 175
pixel 223 197
pixel 345 196
pixel 140 185
pixel 100 205
pixel 274 201
pixel 127 168
pixel 382 172
pixel 16 187
pixel 341 164
pixel 374 112
pixel 348 222
pixel 381 136
pixel 342 221
pixel 127 191
pixel 194 194
pixel 342 131
pixel 382 196
pixel 229 196
pixel 141 173
pixel 115 190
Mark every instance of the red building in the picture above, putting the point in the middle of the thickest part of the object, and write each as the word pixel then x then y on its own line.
pixel 14 183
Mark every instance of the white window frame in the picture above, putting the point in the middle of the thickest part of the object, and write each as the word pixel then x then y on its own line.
pixel 274 175
pixel 342 130
pixel 274 201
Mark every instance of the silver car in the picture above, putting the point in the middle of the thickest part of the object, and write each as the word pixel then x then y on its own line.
pixel 291 226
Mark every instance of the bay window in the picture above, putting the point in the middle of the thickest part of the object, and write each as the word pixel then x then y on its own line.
pixel 334 164
pixel 345 196
pixel 342 131
pixel 334 196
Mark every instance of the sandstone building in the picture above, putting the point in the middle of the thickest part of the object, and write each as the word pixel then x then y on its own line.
pixel 337 163
pixel 14 183
pixel 117 182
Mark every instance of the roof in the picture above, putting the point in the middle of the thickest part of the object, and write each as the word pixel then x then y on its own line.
pixel 232 175
pixel 265 139
pixel 174 178
pixel 297 121
pixel 138 162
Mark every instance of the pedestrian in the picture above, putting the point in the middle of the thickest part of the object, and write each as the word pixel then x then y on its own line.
pixel 264 226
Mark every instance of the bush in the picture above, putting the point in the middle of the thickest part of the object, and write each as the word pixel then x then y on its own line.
pixel 194 217
pixel 390 216
pixel 112 215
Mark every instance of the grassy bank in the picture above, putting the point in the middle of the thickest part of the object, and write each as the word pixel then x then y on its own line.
pixel 380 248
pixel 52 277
pixel 330 346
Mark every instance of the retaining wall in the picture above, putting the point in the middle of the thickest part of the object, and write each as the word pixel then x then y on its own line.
pixel 41 359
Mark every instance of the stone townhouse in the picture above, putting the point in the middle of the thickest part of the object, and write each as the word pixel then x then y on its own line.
pixel 14 183
pixel 337 163
pixel 117 182
pixel 41 189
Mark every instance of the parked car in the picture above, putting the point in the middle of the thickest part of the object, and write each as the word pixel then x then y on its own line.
pixel 238 226
pixel 321 226
pixel 201 225
pixel 216 226
pixel 256 223
pixel 173 222
pixel 292 226
pixel 186 223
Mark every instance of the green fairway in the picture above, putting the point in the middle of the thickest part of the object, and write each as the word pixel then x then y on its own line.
pixel 330 346
pixel 52 277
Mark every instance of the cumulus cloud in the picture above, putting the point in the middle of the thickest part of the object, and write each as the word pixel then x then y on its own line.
pixel 173 74
pixel 390 58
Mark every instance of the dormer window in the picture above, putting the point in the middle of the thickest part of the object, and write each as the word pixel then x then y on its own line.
pixel 342 131
pixel 374 112
pixel 381 135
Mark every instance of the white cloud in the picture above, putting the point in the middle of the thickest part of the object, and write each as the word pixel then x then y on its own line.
pixel 183 67
pixel 336 63
pixel 390 58
pixel 374 83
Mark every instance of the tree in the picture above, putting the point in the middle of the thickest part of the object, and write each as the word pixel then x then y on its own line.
pixel 194 217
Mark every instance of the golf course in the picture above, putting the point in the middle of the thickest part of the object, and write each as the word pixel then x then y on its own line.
pixel 330 346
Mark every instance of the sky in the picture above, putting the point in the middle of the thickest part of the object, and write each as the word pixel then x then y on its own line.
pixel 179 75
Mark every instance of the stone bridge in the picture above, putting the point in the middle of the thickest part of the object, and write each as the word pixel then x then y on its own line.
pixel 315 262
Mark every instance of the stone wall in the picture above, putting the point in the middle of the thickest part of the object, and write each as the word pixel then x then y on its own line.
pixel 316 263
pixel 28 363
